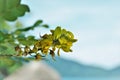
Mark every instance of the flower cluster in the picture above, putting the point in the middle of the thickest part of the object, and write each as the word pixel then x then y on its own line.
pixel 59 39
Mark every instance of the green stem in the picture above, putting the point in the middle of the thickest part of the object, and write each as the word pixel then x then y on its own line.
pixel 10 55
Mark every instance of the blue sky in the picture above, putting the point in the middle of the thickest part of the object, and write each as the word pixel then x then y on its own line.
pixel 95 23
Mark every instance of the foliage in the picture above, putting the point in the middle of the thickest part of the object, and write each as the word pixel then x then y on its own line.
pixel 10 10
pixel 16 47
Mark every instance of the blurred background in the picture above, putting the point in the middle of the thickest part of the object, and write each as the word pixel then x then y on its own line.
pixel 96 25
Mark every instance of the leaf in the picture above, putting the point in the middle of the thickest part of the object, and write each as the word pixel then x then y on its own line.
pixel 9 16
pixel 1 36
pixel 37 23
pixel 1 6
pixel 31 37
pixel 10 4
pixel 8 48
pixel 24 29
pixel 21 9
pixel 10 10
pixel 2 48
pixel 30 40
pixel 45 25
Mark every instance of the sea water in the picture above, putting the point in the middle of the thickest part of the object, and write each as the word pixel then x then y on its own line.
pixel 91 78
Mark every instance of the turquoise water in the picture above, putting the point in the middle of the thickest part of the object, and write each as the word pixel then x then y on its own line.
pixel 96 78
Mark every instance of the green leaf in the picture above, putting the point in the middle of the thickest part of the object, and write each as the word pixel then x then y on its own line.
pixel 21 9
pixel 10 10
pixel 45 25
pixel 30 37
pixel 7 48
pixel 2 48
pixel 24 29
pixel 10 4
pixel 30 40
pixel 1 36
pixel 1 6
pixel 9 16
pixel 37 23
